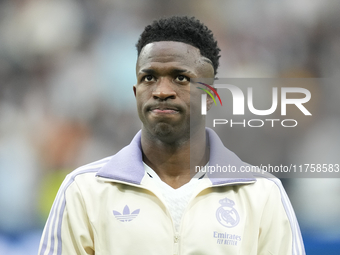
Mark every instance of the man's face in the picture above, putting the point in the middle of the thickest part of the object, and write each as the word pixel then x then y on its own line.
pixel 164 70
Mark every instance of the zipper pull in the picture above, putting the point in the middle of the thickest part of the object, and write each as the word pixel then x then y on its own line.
pixel 176 246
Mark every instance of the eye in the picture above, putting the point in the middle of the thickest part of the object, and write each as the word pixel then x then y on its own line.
pixel 182 78
pixel 148 78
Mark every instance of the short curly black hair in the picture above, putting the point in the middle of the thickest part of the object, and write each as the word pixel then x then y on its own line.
pixel 182 29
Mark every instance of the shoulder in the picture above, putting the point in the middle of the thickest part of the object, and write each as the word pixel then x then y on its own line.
pixel 264 181
pixel 266 190
pixel 269 182
pixel 270 188
pixel 85 174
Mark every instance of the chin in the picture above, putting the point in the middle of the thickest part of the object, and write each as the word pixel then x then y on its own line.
pixel 170 134
pixel 163 130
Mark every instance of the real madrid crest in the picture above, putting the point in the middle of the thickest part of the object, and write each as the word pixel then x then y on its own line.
pixel 226 214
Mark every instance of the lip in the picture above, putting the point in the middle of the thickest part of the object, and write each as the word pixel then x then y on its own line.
pixel 160 109
pixel 164 111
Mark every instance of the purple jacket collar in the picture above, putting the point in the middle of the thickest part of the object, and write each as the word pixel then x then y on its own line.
pixel 127 164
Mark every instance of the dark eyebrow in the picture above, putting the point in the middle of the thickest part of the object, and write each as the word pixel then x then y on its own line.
pixel 174 71
pixel 147 71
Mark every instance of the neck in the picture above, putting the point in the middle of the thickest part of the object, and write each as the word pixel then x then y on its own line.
pixel 172 161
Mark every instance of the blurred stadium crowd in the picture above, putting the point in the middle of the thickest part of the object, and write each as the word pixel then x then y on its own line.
pixel 67 68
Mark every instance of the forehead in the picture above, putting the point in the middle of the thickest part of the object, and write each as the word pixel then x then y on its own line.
pixel 177 53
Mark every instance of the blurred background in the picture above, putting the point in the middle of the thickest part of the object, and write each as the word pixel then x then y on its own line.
pixel 67 68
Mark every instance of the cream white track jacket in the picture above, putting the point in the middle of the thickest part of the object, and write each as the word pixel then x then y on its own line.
pixel 110 207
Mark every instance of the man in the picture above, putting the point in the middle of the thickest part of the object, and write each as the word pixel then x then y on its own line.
pixel 142 200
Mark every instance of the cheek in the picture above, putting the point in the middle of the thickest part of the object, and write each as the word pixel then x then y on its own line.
pixel 142 98
pixel 184 95
pixel 140 103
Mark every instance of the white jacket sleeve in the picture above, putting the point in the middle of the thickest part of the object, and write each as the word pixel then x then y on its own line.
pixel 279 231
pixel 67 230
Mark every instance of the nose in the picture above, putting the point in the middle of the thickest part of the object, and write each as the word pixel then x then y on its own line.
pixel 164 90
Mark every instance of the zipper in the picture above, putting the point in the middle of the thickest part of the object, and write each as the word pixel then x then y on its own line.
pixel 177 236
pixel 176 244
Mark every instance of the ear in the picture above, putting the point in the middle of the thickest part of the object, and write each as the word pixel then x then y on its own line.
pixel 134 90
pixel 210 101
